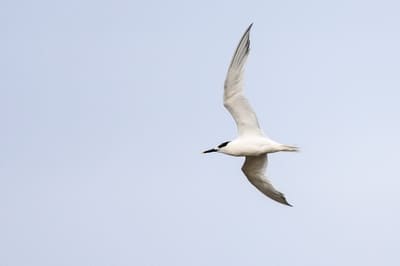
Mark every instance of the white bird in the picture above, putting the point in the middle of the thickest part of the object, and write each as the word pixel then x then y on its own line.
pixel 251 142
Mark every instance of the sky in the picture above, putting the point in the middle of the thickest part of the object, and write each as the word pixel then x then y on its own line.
pixel 106 106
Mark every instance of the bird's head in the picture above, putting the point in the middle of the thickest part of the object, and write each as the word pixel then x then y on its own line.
pixel 220 147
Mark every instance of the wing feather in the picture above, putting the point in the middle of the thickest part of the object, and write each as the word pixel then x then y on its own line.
pixel 234 100
pixel 254 169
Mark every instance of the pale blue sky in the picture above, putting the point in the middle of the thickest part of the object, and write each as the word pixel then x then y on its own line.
pixel 105 107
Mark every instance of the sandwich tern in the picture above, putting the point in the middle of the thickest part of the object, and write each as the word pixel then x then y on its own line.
pixel 251 142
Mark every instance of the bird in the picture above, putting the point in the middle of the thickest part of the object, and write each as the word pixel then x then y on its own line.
pixel 251 141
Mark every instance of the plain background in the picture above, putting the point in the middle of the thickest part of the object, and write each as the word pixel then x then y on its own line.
pixel 105 107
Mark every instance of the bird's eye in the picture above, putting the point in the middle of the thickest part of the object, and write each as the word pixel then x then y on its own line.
pixel 223 144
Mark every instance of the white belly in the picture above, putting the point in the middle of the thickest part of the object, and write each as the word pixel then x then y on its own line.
pixel 251 147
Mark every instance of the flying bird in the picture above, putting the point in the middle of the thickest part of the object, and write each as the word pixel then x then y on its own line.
pixel 251 142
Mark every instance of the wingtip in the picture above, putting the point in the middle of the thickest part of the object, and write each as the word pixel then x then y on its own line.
pixel 284 201
pixel 249 27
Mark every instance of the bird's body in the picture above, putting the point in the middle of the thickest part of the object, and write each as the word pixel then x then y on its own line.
pixel 253 146
pixel 251 142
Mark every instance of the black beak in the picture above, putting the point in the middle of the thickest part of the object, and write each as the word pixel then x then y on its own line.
pixel 210 150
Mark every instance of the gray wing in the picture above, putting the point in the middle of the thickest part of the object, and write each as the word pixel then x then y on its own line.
pixel 234 100
pixel 254 169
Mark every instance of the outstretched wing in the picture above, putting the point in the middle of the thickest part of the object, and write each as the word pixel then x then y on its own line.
pixel 234 100
pixel 254 169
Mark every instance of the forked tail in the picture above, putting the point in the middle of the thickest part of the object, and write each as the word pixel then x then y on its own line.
pixel 289 148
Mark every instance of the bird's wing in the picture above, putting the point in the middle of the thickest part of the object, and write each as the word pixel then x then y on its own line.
pixel 254 169
pixel 234 100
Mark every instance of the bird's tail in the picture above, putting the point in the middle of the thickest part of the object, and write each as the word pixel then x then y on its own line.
pixel 289 148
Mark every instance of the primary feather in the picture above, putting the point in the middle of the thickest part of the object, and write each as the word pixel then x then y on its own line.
pixel 234 100
pixel 254 169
